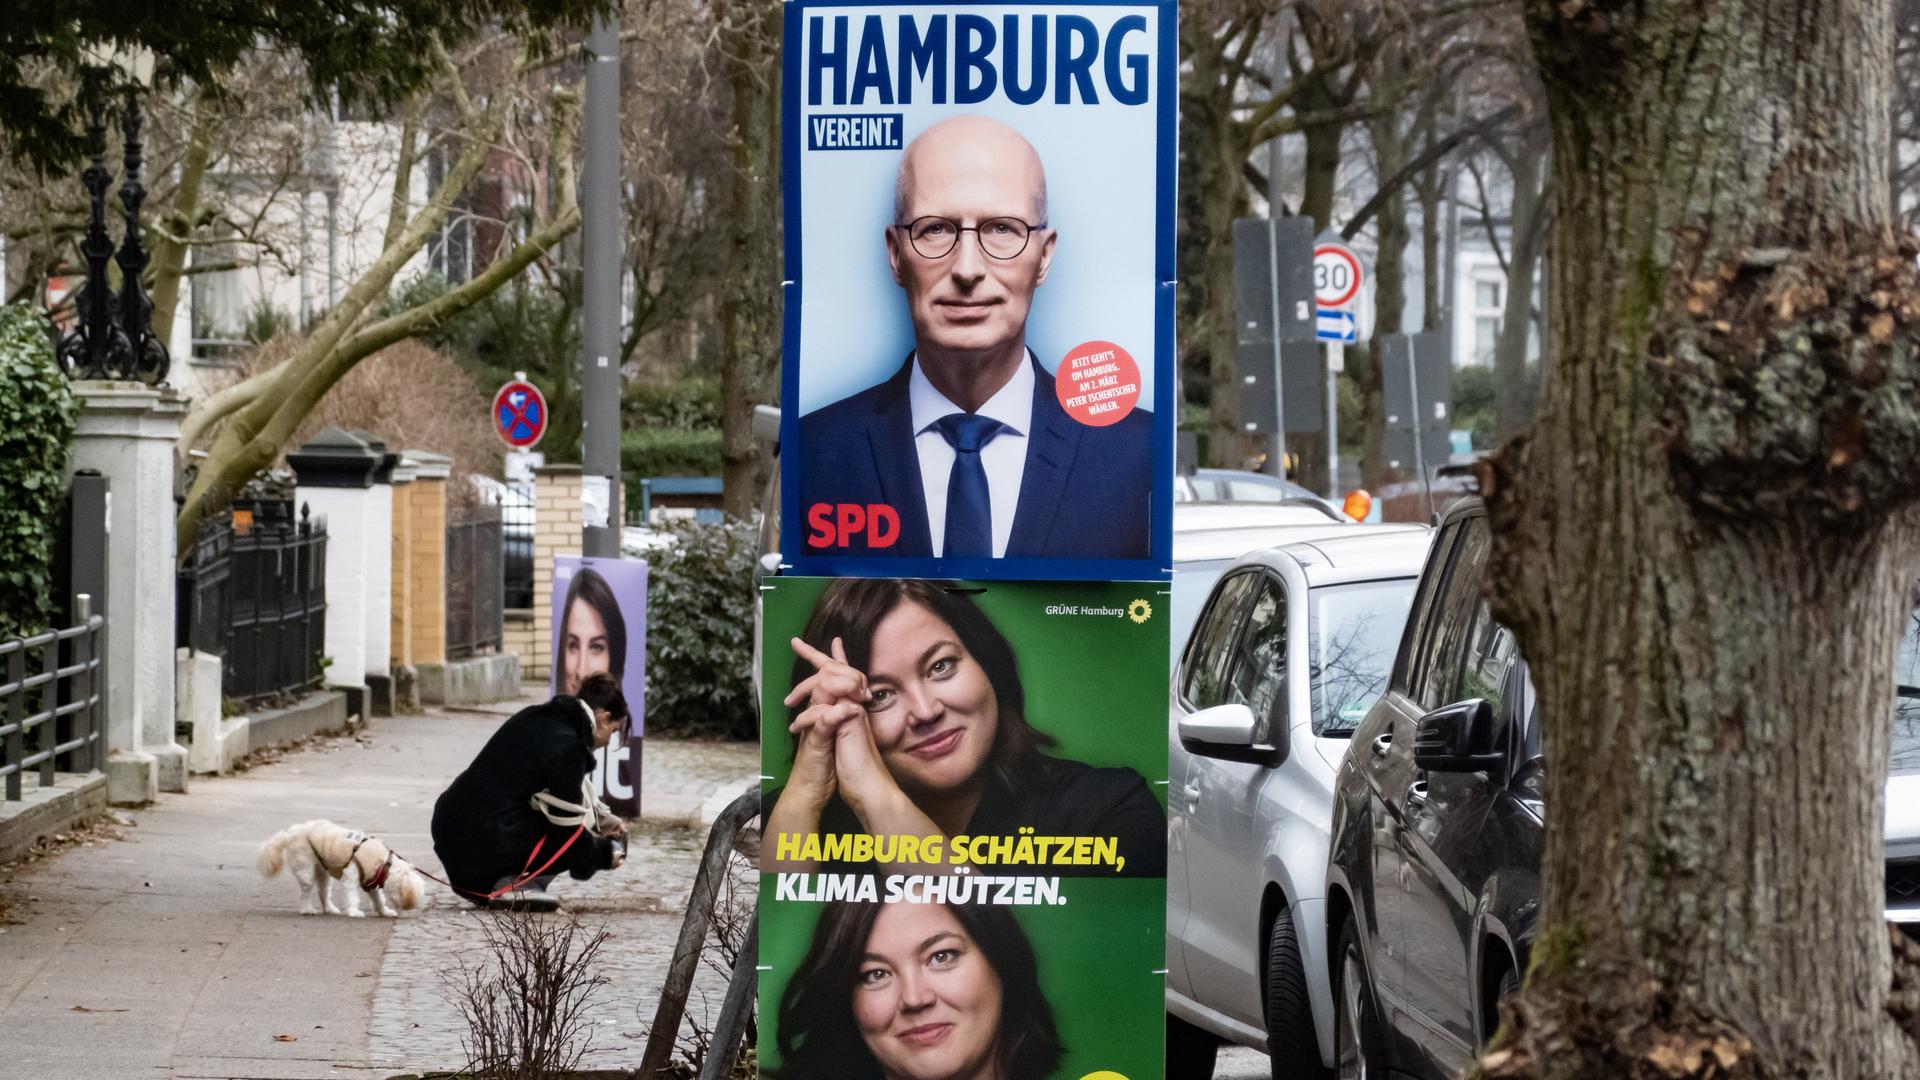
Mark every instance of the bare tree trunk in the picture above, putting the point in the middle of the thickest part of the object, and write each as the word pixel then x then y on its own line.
pixel 1213 184
pixel 1427 189
pixel 1513 401
pixel 1706 544
pixel 1389 296
pixel 1316 201
pixel 749 311
pixel 264 411
pixel 170 251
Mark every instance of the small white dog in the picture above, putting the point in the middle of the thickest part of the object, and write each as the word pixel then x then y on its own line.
pixel 320 852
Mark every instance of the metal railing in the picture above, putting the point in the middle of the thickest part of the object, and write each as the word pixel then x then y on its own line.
pixel 67 733
pixel 476 610
pixel 516 539
pixel 277 603
pixel 203 592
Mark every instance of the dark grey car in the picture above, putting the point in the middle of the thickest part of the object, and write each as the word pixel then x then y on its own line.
pixel 1433 885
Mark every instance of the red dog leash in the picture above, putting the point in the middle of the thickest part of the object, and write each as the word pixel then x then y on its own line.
pixel 525 874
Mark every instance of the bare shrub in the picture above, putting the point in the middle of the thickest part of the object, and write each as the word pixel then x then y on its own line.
pixel 733 911
pixel 410 395
pixel 528 1003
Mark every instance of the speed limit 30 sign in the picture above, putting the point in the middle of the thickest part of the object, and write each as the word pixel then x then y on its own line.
pixel 1336 276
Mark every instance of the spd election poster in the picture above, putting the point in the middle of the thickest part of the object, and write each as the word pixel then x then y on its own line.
pixel 964 850
pixel 978 347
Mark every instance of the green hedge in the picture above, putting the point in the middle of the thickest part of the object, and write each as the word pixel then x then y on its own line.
pixel 700 601
pixel 686 402
pixel 661 451
pixel 37 417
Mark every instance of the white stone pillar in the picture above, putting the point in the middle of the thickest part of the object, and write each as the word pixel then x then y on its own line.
pixel 127 433
pixel 379 537
pixel 335 472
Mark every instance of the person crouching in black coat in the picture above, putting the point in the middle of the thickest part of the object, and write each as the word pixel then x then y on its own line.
pixel 527 786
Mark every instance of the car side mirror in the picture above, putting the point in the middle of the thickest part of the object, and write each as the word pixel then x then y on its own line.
pixel 1458 738
pixel 1222 725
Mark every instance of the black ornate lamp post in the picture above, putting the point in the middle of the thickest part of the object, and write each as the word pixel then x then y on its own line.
pixel 114 337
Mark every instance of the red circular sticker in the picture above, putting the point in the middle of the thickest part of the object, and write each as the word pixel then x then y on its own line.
pixel 1098 383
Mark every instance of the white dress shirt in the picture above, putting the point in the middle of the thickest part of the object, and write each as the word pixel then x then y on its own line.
pixel 1004 457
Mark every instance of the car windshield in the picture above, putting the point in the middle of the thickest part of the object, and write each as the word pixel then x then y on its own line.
pixel 1906 703
pixel 1192 581
pixel 1355 633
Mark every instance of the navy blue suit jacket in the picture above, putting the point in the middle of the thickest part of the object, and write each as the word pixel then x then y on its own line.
pixel 1084 493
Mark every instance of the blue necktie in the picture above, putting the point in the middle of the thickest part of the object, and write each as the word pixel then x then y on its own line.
pixel 969 509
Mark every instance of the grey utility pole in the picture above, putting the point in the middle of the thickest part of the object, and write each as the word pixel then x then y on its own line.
pixel 602 232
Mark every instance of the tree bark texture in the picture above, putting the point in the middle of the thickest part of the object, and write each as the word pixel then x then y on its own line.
pixel 262 415
pixel 1427 189
pixel 1706 544
pixel 182 220
pixel 1212 184
pixel 749 308
pixel 1321 180
pixel 1389 298
pixel 1513 400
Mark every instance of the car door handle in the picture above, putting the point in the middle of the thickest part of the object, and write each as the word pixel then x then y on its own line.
pixel 1416 793
pixel 1383 744
pixel 1192 793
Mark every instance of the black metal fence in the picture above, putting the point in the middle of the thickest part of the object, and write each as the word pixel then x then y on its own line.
pixel 202 590
pixel 517 520
pixel 476 608
pixel 255 594
pixel 65 730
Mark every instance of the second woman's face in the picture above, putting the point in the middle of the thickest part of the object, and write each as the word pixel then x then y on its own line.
pixel 584 648
pixel 926 1000
pixel 934 713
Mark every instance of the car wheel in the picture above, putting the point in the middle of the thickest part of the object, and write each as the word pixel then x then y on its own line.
pixel 1190 1051
pixel 1508 986
pixel 1291 1042
pixel 1356 1029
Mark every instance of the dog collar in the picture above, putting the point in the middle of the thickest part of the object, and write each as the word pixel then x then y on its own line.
pixel 379 877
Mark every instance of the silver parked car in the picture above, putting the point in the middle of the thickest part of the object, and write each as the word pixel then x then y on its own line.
pixel 1293 645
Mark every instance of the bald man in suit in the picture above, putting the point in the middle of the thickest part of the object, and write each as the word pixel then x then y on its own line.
pixel 966 442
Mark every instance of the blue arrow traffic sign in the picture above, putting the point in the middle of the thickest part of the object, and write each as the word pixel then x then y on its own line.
pixel 1337 326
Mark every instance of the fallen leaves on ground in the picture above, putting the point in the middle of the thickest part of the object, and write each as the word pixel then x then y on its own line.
pixel 89 834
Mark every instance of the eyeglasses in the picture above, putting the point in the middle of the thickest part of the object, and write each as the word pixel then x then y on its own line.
pixel 1001 237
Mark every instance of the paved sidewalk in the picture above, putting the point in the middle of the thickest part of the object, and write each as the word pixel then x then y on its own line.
pixel 164 954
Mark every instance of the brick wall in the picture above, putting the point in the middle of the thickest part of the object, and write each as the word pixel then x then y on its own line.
pixel 556 532
pixel 429 563
pixel 400 645
pixel 521 639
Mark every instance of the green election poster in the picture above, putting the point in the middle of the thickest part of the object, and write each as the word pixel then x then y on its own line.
pixel 964 854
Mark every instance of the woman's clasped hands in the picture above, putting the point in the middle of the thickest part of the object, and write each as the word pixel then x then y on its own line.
pixel 835 751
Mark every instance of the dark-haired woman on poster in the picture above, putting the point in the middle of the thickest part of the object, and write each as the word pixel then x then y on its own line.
pixel 909 719
pixel 593 633
pixel 916 992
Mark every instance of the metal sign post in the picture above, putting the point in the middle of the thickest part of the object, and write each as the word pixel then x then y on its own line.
pixel 602 237
pixel 1276 463
pixel 1336 362
pixel 1419 451
pixel 1337 277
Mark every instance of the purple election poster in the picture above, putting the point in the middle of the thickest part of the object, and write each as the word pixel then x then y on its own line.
pixel 600 625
